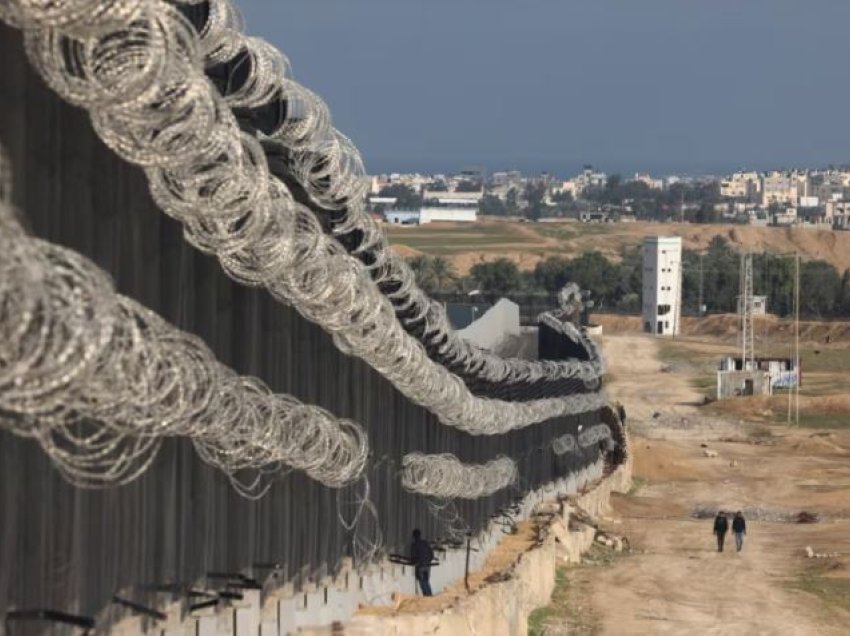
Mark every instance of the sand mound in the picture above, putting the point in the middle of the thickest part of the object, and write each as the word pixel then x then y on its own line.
pixel 405 251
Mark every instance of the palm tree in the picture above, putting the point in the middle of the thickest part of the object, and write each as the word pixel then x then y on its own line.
pixel 421 266
pixel 433 273
pixel 443 273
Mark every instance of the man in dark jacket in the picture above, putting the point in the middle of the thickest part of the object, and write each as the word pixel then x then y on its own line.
pixel 721 527
pixel 421 556
pixel 739 527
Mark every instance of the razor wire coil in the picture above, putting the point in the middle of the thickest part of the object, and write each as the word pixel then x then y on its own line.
pixel 142 82
pixel 99 381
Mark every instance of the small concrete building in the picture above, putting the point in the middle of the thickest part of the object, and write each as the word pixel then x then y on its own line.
pixel 784 373
pixel 662 284
pixel 739 383
pixel 757 308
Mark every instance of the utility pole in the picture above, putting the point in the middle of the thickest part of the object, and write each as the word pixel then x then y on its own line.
pixel 699 307
pixel 740 308
pixel 745 300
pixel 797 338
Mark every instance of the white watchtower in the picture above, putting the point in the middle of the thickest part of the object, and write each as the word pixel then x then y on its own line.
pixel 662 284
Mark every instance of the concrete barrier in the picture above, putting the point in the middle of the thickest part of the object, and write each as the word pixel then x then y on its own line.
pixel 333 605
pixel 504 607
pixel 496 324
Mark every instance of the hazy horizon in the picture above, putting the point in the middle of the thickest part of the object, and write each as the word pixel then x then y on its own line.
pixel 568 168
pixel 664 86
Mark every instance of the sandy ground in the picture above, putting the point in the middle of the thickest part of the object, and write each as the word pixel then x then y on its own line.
pixel 724 327
pixel 674 581
pixel 635 371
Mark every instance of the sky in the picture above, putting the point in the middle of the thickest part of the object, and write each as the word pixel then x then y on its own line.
pixel 666 86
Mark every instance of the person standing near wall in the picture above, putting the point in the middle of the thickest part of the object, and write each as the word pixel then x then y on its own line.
pixel 721 527
pixel 421 556
pixel 739 527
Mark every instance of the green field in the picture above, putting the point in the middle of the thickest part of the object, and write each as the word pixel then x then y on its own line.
pixel 453 240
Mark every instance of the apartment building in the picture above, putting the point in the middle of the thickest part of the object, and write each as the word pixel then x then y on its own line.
pixel 741 185
pixel 779 188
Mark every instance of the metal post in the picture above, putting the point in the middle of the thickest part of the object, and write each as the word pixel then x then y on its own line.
pixel 466 572
pixel 699 307
pixel 745 300
pixel 797 337
pixel 742 321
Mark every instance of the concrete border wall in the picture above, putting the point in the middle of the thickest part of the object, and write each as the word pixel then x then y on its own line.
pixel 503 608
pixel 182 519
pixel 500 608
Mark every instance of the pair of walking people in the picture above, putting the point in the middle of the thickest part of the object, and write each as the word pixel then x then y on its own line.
pixel 721 527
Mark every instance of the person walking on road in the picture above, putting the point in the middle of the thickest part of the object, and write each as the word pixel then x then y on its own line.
pixel 721 527
pixel 739 527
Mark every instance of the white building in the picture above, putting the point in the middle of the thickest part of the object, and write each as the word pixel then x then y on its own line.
pixel 414 181
pixel 402 217
pixel 452 200
pixel 649 181
pixel 454 213
pixel 786 216
pixel 385 202
pixel 590 178
pixel 576 186
pixel 431 214
pixel 662 284
pixel 512 177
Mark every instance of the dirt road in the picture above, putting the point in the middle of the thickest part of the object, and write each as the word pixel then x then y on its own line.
pixel 674 581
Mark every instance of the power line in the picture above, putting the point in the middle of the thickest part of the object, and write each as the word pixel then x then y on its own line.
pixel 797 337
pixel 701 273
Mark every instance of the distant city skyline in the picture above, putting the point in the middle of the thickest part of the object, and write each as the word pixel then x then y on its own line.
pixel 664 86
pixel 573 168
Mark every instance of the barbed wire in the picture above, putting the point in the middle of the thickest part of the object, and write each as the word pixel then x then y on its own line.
pixel 330 169
pixel 564 444
pixel 99 381
pixel 141 80
pixel 358 515
pixel 594 435
pixel 446 477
